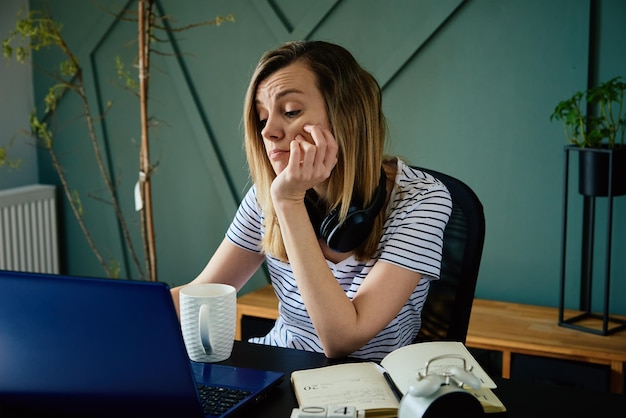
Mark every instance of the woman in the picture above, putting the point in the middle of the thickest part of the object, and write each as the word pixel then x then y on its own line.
pixel 351 238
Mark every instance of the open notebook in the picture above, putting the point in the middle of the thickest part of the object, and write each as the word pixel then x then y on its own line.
pixel 91 347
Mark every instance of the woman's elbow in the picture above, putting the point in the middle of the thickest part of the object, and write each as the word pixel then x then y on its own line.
pixel 341 347
pixel 333 353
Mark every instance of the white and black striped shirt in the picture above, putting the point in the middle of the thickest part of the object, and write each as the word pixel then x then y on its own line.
pixel 417 214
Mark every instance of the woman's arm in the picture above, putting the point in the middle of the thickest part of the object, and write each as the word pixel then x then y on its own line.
pixel 230 264
pixel 342 325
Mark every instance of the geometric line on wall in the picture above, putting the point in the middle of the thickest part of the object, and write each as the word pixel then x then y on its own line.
pixel 283 26
pixel 86 53
pixel 437 13
pixel 199 124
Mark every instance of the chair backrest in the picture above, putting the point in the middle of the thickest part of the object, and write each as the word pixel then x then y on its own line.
pixel 446 313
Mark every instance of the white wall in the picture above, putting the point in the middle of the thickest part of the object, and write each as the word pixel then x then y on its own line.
pixel 16 103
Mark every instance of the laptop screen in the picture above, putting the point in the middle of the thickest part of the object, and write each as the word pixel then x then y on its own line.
pixel 91 347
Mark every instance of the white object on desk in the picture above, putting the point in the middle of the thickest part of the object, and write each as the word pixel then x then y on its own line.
pixel 441 391
pixel 208 314
pixel 331 411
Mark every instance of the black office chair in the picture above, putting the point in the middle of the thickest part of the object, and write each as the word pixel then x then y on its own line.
pixel 446 313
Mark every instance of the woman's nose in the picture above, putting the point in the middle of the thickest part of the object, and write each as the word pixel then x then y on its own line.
pixel 272 130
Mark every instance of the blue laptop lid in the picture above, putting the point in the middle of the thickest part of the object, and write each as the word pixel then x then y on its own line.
pixel 91 347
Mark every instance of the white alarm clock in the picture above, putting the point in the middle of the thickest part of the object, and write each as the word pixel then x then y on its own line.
pixel 440 394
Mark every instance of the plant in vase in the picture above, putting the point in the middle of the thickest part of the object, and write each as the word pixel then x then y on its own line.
pixel 598 137
pixel 599 133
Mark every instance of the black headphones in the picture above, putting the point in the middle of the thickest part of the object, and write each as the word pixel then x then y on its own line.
pixel 358 224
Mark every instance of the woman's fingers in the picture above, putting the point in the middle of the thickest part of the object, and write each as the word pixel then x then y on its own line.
pixel 325 146
pixel 312 158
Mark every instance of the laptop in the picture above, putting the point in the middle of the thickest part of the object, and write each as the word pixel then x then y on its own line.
pixel 95 347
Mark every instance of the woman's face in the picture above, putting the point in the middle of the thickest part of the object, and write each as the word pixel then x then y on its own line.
pixel 286 101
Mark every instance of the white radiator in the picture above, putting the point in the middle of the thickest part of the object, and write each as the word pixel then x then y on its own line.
pixel 28 229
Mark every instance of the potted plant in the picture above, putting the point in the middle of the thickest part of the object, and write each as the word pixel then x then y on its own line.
pixel 598 135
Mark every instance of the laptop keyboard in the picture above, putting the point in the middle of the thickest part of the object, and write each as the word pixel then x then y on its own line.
pixel 217 401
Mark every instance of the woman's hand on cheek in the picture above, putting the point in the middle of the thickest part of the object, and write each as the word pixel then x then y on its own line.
pixel 292 183
pixel 313 159
pixel 325 156
pixel 310 163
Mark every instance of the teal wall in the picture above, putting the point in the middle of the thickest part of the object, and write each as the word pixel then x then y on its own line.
pixel 468 89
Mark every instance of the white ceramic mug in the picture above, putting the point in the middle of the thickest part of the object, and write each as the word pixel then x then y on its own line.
pixel 207 319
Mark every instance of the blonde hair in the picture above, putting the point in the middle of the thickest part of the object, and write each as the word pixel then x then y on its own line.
pixel 354 107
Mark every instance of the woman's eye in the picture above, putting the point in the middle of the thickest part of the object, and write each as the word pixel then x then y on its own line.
pixel 292 113
pixel 262 124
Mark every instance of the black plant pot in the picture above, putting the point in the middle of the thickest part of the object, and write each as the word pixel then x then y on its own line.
pixel 593 175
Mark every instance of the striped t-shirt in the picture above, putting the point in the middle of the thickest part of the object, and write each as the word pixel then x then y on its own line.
pixel 417 214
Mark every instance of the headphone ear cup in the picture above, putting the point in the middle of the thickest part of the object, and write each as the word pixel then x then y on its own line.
pixel 359 221
pixel 355 229
pixel 329 224
pixel 351 233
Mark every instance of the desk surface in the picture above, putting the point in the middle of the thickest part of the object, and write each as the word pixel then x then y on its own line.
pixel 521 399
pixel 535 329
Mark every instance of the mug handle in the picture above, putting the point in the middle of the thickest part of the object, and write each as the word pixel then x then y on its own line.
pixel 203 320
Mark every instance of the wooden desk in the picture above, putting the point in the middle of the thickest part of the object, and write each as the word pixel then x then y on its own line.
pixel 261 303
pixel 526 329
pixel 509 328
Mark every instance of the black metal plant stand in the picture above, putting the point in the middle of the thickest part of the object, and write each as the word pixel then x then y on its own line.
pixel 587 257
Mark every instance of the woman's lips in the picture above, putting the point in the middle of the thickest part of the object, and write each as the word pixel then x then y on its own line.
pixel 277 154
